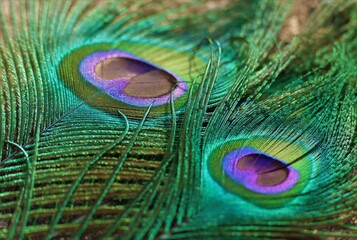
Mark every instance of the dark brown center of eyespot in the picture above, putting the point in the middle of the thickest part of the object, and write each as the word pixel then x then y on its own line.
pixel 270 171
pixel 145 80
pixel 151 84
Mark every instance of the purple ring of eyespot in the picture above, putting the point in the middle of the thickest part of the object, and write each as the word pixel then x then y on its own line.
pixel 238 166
pixel 115 87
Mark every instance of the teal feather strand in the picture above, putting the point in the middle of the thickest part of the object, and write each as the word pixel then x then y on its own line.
pixel 111 180
pixel 153 185
pixel 16 217
pixel 31 182
pixel 83 173
pixel 184 168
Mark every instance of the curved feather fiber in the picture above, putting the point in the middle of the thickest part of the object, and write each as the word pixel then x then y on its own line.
pixel 205 120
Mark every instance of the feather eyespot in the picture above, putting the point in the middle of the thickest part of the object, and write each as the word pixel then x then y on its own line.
pixel 130 76
pixel 264 174
pixel 129 79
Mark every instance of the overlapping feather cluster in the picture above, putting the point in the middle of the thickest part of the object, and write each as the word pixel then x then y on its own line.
pixel 178 119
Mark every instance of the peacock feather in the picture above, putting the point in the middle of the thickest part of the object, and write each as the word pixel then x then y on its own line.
pixel 178 120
